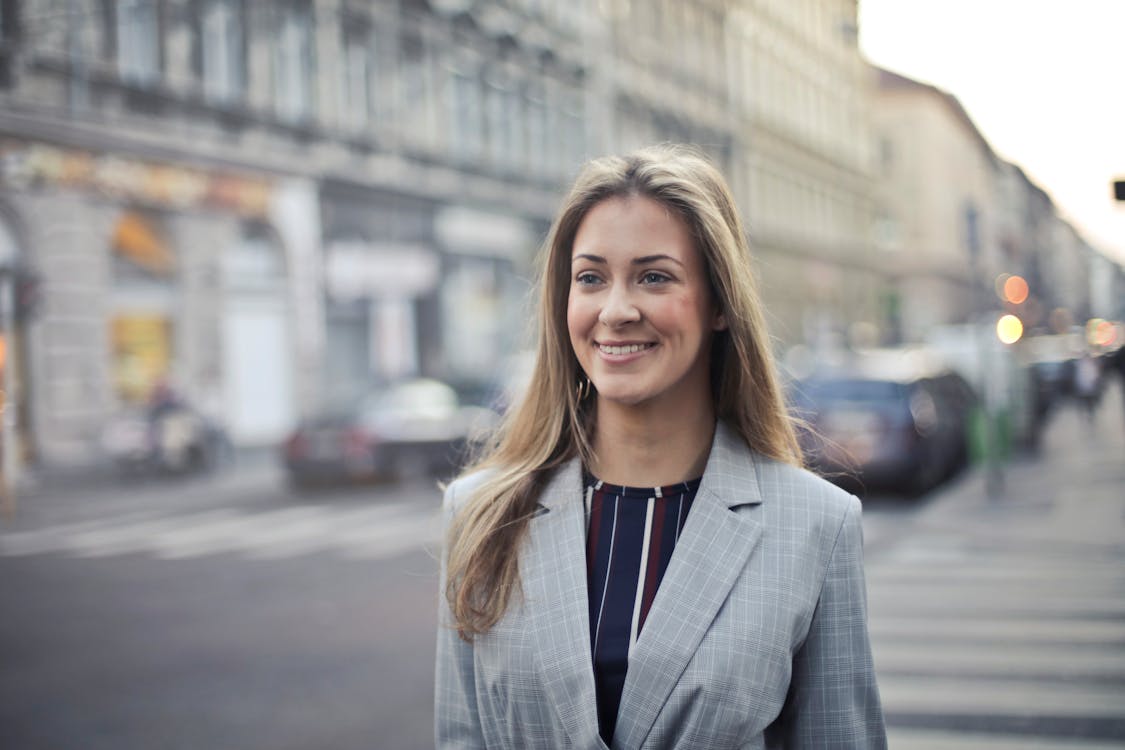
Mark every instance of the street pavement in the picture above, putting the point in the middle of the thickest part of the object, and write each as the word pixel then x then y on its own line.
pixel 229 611
pixel 999 622
pixel 224 612
pixel 249 512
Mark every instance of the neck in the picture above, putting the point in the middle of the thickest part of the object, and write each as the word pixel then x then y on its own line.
pixel 650 448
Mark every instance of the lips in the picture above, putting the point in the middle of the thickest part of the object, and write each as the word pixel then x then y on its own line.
pixel 619 349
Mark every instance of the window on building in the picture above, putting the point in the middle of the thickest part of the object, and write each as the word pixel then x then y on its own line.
pixel 517 114
pixel 9 35
pixel 466 123
pixel 222 58
pixel 537 132
pixel 294 62
pixel 886 154
pixel 501 124
pixel 138 41
pixel 574 131
pixel 357 72
pixel 415 100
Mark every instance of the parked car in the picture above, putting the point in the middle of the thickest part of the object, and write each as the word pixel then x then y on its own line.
pixel 902 433
pixel 414 427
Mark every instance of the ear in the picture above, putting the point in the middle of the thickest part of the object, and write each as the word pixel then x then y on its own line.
pixel 719 322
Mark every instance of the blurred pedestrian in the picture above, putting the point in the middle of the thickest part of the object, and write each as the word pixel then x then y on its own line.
pixel 640 558
pixel 1117 362
pixel 1086 383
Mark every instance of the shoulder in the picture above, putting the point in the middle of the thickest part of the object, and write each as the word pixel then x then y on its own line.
pixel 794 494
pixel 458 492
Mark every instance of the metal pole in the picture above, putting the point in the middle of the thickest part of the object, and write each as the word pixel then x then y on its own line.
pixel 994 477
pixel 7 406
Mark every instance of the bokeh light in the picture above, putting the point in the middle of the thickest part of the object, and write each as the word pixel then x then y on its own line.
pixel 1100 332
pixel 1015 290
pixel 1009 329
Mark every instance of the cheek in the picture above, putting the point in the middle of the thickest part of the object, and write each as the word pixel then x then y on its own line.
pixel 683 310
pixel 576 316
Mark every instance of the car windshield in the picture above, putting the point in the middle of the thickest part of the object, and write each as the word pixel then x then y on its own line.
pixel 419 398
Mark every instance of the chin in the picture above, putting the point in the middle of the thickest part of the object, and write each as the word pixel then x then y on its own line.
pixel 622 398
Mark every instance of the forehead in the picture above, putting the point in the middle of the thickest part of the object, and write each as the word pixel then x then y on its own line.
pixel 633 225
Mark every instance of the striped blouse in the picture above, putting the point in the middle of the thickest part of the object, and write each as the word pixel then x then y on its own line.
pixel 631 532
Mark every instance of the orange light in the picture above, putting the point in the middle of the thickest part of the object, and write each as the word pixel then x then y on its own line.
pixel 1009 329
pixel 1015 290
pixel 1100 332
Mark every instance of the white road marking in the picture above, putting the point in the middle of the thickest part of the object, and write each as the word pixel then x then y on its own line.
pixel 366 532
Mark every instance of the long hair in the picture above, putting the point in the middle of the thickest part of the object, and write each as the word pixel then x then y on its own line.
pixel 551 424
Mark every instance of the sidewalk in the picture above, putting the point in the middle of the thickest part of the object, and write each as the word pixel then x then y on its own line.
pixel 1074 487
pixel 997 622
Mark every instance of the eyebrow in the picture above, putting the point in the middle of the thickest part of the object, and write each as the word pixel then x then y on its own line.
pixel 643 260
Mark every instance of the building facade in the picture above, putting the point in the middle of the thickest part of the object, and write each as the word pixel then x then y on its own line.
pixel 953 218
pixel 778 95
pixel 277 205
pixel 801 95
pixel 936 217
pixel 272 205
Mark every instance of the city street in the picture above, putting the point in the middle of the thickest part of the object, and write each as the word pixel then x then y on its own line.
pixel 1000 623
pixel 230 612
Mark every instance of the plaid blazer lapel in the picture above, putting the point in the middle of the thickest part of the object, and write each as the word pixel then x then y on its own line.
pixel 709 556
pixel 553 576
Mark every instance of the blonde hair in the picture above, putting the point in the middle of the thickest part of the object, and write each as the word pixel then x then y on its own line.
pixel 551 424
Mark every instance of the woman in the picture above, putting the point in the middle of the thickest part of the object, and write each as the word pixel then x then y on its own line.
pixel 639 560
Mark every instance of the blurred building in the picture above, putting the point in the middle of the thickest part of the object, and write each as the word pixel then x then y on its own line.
pixel 937 214
pixel 953 217
pixel 272 204
pixel 801 95
pixel 778 94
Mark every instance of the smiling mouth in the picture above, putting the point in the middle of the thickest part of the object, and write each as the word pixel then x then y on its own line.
pixel 626 349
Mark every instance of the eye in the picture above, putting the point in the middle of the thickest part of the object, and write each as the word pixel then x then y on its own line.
pixel 586 278
pixel 655 277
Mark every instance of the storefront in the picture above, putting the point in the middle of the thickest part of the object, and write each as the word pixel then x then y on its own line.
pixel 257 359
pixel 381 277
pixel 485 317
pixel 154 275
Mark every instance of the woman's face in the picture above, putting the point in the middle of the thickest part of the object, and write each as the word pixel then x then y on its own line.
pixel 639 311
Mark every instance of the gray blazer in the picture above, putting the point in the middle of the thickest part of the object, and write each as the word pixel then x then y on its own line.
pixel 757 637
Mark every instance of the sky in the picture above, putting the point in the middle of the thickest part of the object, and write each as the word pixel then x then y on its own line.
pixel 1044 81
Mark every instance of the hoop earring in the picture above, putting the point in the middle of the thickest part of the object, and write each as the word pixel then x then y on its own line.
pixel 583 389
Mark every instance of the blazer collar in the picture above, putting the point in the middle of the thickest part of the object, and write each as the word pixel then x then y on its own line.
pixel 553 577
pixel 709 556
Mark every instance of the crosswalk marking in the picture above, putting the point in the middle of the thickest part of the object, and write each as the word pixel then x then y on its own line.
pixel 920 739
pixel 936 694
pixel 368 532
pixel 1005 630
pixel 1010 659
pixel 889 628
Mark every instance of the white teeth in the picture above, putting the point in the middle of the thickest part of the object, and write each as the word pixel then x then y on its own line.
pixel 630 349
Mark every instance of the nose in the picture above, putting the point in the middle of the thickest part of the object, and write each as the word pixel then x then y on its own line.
pixel 618 309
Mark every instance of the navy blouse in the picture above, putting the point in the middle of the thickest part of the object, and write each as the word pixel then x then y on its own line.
pixel 631 532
